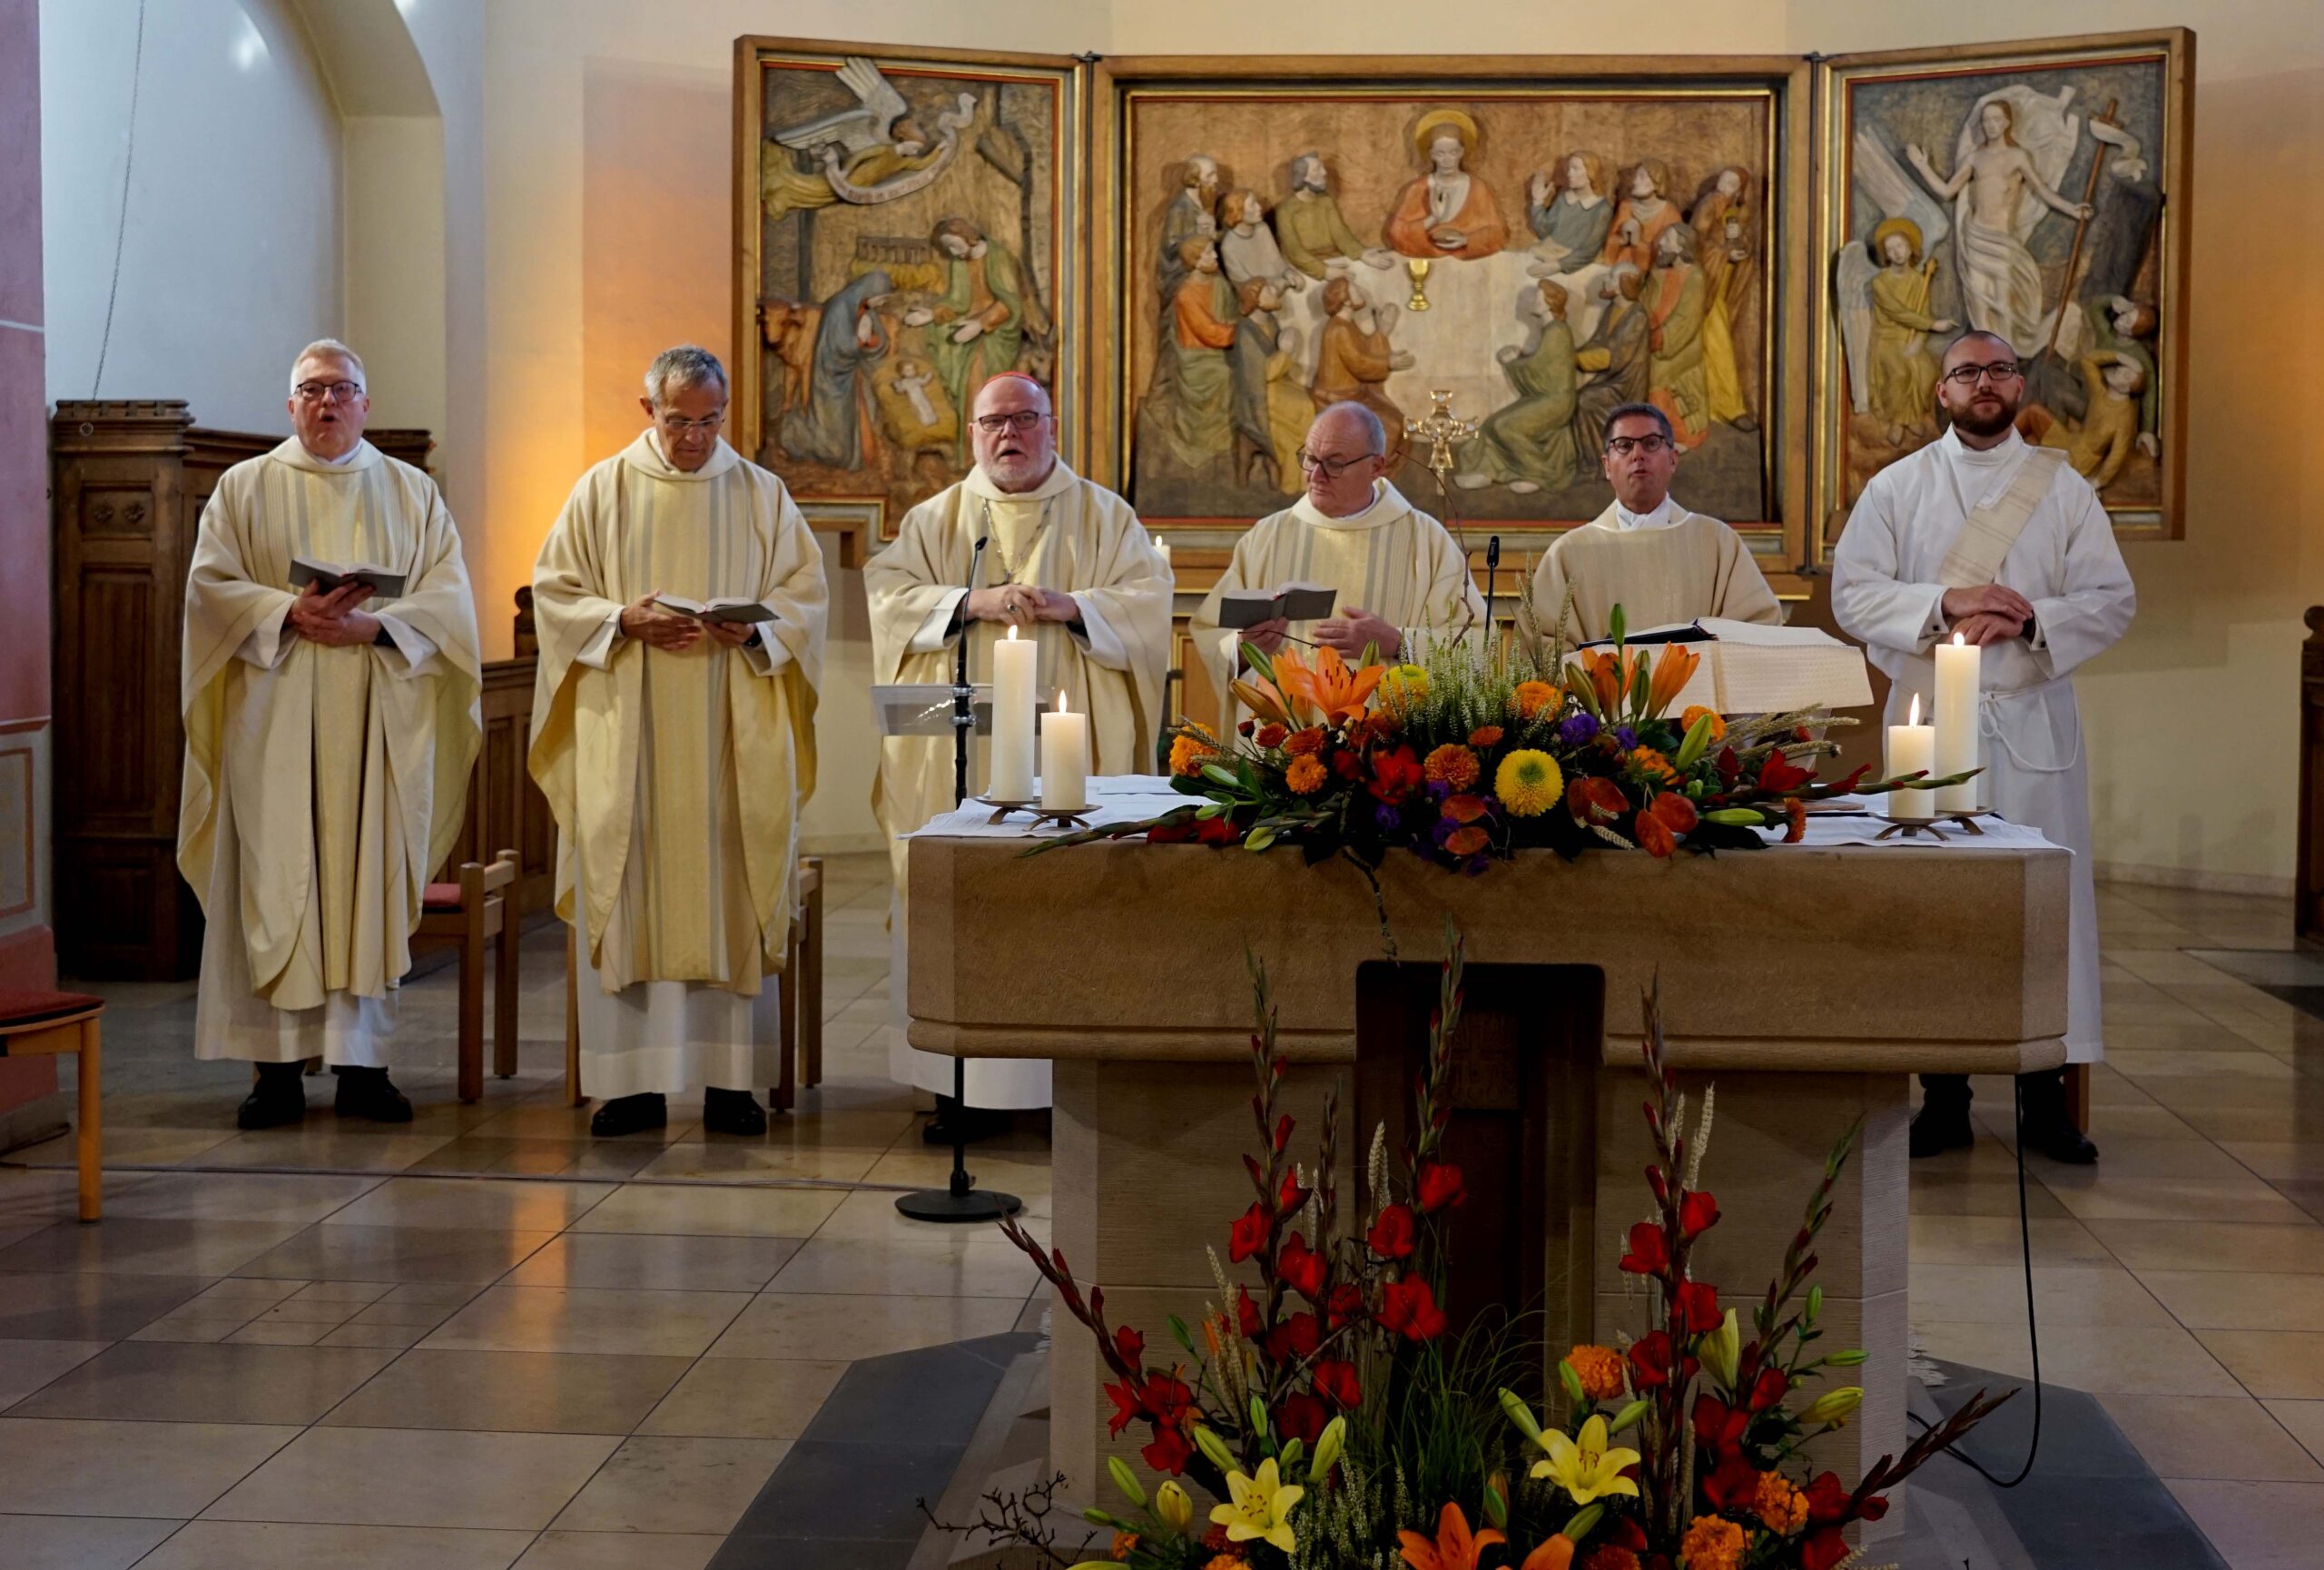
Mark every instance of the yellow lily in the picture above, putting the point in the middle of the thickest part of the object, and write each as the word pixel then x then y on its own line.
pixel 1173 1506
pixel 1588 1467
pixel 1262 1509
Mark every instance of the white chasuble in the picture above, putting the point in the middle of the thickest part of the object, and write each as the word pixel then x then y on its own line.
pixel 677 777
pixel 1669 566
pixel 1067 534
pixel 1392 559
pixel 323 785
pixel 1887 589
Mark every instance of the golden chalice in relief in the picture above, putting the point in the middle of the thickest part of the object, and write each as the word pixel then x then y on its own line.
pixel 1418 267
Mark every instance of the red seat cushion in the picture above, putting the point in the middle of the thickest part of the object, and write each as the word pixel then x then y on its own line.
pixel 23 1008
pixel 440 897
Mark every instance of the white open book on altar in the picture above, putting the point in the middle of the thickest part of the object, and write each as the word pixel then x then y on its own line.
pixel 1748 668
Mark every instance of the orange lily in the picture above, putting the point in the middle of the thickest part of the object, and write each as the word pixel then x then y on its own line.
pixel 1606 678
pixel 1455 1548
pixel 1340 693
pixel 1672 671
pixel 1555 1553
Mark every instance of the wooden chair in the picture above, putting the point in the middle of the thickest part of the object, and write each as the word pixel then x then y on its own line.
pixel 802 1049
pixel 465 917
pixel 49 1025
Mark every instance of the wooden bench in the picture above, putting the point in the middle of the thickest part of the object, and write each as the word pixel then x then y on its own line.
pixel 464 917
pixel 49 1025
pixel 802 1049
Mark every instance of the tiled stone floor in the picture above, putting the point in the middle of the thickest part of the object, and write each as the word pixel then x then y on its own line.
pixel 485 1339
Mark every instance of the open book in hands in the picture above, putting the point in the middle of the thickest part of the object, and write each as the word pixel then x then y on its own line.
pixel 1748 668
pixel 716 610
pixel 1242 607
pixel 329 576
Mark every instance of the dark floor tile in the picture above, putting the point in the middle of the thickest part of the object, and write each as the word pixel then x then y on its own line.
pixel 824 1489
pixel 194 1382
pixel 87 1306
pixel 741 1553
pixel 935 1396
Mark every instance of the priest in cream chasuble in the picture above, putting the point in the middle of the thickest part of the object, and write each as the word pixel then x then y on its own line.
pixel 1400 575
pixel 676 754
pixel 1661 563
pixel 328 738
pixel 2038 584
pixel 1066 564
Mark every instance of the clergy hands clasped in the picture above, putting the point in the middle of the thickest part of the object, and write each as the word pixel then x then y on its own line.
pixel 1354 629
pixel 645 620
pixel 1989 627
pixel 1021 605
pixel 331 619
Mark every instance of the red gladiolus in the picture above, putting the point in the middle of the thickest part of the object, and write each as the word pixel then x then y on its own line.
pixel 1292 1195
pixel 1302 1268
pixel 1247 1314
pixel 1130 1344
pixel 1217 831
pixel 1169 1452
pixel 1170 833
pixel 1126 1405
pixel 1768 1389
pixel 1698 1306
pixel 1827 1498
pixel 1302 1417
pixel 1408 1308
pixel 1730 768
pixel 1649 1254
pixel 1348 766
pixel 1335 1381
pixel 1395 775
pixel 1733 1484
pixel 1823 1548
pixel 1391 1236
pixel 1697 1212
pixel 1347 1302
pixel 1297 1337
pixel 1250 1233
pixel 1650 1361
pixel 1167 1401
pixel 1438 1186
pixel 1716 1423
pixel 1779 774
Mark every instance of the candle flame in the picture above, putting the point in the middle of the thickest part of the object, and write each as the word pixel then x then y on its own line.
pixel 1958 639
pixel 1913 718
pixel 1012 634
pixel 1061 702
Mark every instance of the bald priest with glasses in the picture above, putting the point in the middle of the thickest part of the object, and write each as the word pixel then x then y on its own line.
pixel 1646 553
pixel 1066 565
pixel 1399 576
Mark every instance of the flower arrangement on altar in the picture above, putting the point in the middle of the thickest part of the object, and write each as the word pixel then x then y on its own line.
pixel 1335 1418
pixel 1477 751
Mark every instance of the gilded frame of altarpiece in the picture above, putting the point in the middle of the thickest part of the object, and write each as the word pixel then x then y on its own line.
pixel 2081 148
pixel 851 159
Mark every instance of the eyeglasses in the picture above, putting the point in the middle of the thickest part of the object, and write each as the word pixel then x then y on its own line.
pixel 1019 419
pixel 1332 466
pixel 336 391
pixel 1966 375
pixel 1623 446
pixel 702 426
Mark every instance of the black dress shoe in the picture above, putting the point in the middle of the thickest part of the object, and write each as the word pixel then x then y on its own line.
pixel 1942 1122
pixel 2047 1129
pixel 732 1113
pixel 277 1098
pixel 366 1093
pixel 630 1115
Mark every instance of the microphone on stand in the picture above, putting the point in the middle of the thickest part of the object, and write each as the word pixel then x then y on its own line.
pixel 1492 566
pixel 964 716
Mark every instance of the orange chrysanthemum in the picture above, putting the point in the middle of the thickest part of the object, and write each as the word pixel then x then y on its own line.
pixel 1782 1506
pixel 1271 735
pixel 1452 765
pixel 1610 1556
pixel 1227 1562
pixel 1532 697
pixel 1652 765
pixel 1697 711
pixel 1189 747
pixel 1306 774
pixel 1712 1543
pixel 1485 736
pixel 1600 1369
pixel 1310 740
pixel 1124 1542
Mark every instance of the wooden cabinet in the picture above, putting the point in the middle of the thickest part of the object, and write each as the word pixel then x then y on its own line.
pixel 130 478
pixel 506 809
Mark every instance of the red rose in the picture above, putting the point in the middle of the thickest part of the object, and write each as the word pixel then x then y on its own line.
pixel 1302 1268
pixel 1302 1417
pixel 1408 1308
pixel 1650 1361
pixel 1391 1236
pixel 1649 1256
pixel 1169 1452
pixel 1336 1381
pixel 1250 1234
pixel 1698 1306
pixel 1697 1212
pixel 1439 1186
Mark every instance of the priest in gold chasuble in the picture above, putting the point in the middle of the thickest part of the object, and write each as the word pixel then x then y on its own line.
pixel 1066 564
pixel 329 735
pixel 677 753
pixel 1400 575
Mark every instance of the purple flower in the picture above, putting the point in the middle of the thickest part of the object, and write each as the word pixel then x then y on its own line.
pixel 1626 737
pixel 1389 819
pixel 1579 729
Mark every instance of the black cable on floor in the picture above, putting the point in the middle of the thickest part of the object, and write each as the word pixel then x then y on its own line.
pixel 2033 1333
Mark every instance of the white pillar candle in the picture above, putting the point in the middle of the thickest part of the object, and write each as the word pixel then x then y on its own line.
pixel 1009 756
pixel 1064 759
pixel 1956 723
pixel 1164 546
pixel 1912 749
